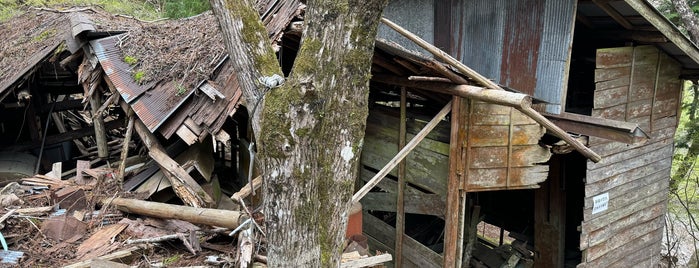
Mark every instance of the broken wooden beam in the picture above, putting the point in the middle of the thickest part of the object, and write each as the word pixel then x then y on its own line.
pixel 402 154
pixel 182 183
pixel 98 123
pixel 125 148
pixel 247 189
pixel 367 262
pixel 214 217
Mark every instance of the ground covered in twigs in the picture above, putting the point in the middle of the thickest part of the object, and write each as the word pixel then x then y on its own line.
pixel 56 223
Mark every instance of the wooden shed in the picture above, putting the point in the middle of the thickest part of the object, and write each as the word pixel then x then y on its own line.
pixel 608 72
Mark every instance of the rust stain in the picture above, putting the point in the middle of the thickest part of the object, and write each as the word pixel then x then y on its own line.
pixel 522 39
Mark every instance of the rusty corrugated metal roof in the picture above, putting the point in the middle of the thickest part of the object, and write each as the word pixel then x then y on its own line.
pixel 159 105
pixel 152 104
pixel 116 69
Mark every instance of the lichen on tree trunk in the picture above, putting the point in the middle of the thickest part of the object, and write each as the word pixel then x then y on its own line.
pixel 310 130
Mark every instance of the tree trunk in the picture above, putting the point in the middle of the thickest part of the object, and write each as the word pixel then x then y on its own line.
pixel 310 130
pixel 690 21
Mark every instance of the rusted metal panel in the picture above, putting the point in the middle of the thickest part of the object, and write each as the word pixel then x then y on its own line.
pixel 158 104
pixel 521 42
pixel 524 45
pixel 116 69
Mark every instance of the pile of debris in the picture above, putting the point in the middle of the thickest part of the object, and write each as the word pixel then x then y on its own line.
pixel 47 221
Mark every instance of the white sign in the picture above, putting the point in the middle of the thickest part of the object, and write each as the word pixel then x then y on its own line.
pixel 600 203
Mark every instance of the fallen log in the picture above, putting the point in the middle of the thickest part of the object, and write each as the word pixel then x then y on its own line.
pixel 214 217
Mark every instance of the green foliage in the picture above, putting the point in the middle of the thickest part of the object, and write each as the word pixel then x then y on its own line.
pixel 141 9
pixel 45 34
pixel 8 9
pixel 180 90
pixel 184 8
pixel 130 60
pixel 138 76
pixel 172 260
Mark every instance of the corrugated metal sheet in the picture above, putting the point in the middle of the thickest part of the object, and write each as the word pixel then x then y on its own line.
pixel 524 45
pixel 415 15
pixel 480 46
pixel 554 53
pixel 118 71
pixel 157 104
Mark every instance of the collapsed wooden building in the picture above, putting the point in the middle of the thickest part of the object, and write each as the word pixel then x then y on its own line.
pixel 608 72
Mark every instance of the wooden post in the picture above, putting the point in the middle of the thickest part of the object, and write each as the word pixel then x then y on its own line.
pixel 451 217
pixel 98 123
pixel 214 217
pixel 400 206
pixel 125 147
pixel 183 184
pixel 402 154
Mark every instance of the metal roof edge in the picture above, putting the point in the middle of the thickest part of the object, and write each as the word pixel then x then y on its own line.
pixel 666 27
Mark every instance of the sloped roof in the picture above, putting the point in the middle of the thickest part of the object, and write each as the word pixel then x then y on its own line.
pixel 36 35
pixel 645 23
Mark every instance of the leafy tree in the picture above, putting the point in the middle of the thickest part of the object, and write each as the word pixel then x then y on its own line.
pixel 309 131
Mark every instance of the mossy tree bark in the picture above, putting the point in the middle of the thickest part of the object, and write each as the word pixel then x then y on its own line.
pixel 310 130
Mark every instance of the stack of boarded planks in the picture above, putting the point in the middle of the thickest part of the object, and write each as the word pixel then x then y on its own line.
pixel 640 85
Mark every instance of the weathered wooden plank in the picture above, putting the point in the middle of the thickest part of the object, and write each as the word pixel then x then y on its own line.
pixel 610 97
pixel 614 57
pixel 607 74
pixel 657 135
pixel 639 109
pixel 424 169
pixel 614 83
pixel 589 225
pixel 488 136
pixel 643 82
pixel 632 163
pixel 615 112
pixel 425 204
pixel 527 134
pixel 645 55
pixel 390 135
pixel 644 174
pixel 412 249
pixel 376 245
pixel 627 154
pixel 598 236
pixel 622 198
pixel 391 118
pixel 401 155
pixel 495 157
pixel 494 178
pixel 618 253
pixel 660 122
pixel 645 257
pixel 619 241
pixel 387 184
pixel 665 108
